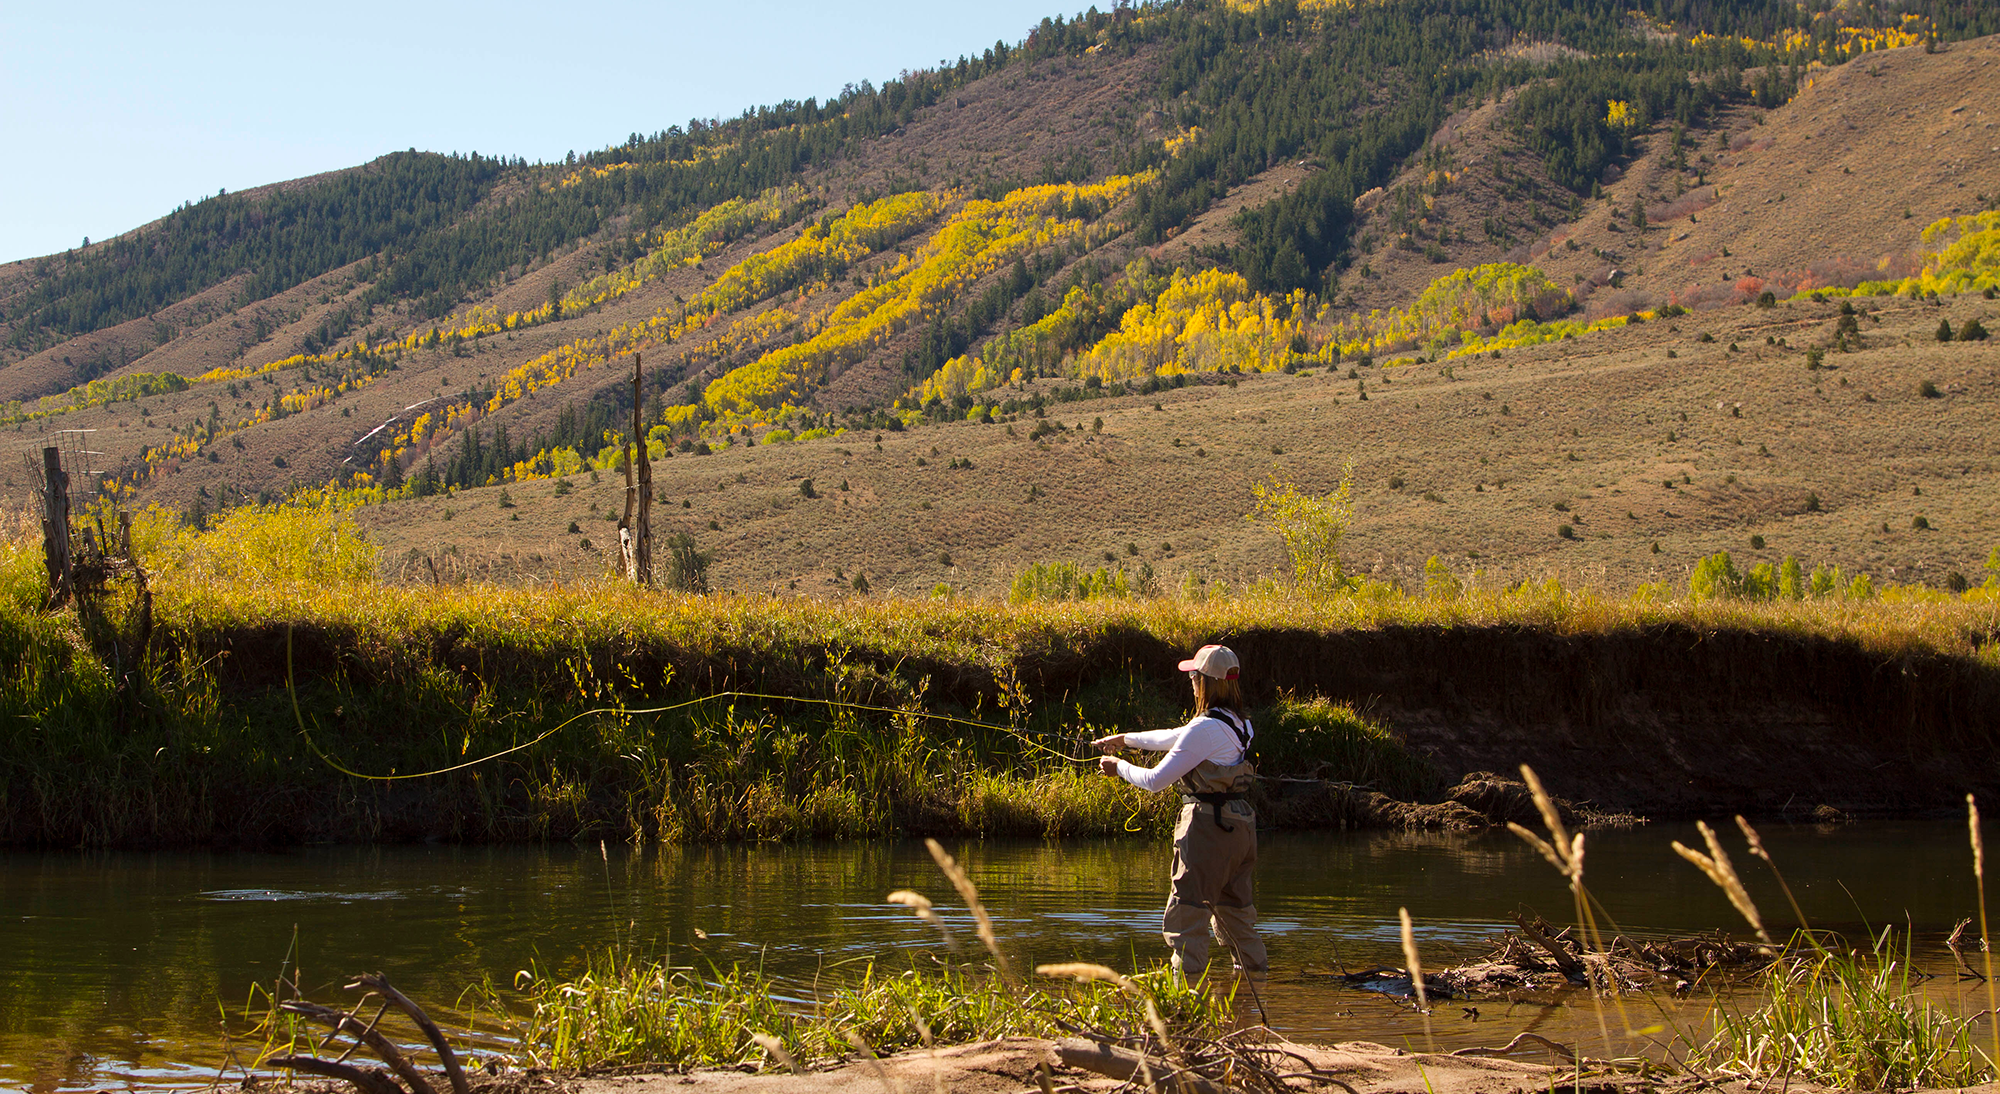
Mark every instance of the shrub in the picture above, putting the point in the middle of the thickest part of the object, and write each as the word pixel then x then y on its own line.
pixel 1715 577
pixel 1973 330
pixel 1312 527
pixel 687 565
pixel 1791 580
pixel 1944 330
pixel 1439 582
pixel 806 489
pixel 1929 390
pixel 1048 581
pixel 1756 543
pixel 1566 531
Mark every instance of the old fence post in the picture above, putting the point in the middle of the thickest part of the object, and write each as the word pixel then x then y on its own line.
pixel 55 525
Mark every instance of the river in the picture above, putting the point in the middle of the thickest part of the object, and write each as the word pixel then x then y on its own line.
pixel 121 970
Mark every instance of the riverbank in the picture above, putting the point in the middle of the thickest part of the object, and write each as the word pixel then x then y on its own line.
pixel 274 714
pixel 1009 1066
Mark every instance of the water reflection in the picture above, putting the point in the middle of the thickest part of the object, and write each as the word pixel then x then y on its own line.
pixel 112 966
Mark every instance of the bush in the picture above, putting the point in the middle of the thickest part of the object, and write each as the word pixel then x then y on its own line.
pixel 1066 581
pixel 1929 390
pixel 1972 331
pixel 1312 527
pixel 1944 330
pixel 1715 577
pixel 687 566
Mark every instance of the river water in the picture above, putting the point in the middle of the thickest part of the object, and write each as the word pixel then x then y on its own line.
pixel 122 970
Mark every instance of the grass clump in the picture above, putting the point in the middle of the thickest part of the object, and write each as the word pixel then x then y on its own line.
pixel 625 1010
pixel 1319 738
pixel 1851 1019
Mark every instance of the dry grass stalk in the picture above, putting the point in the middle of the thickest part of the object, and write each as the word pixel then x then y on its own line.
pixel 1416 972
pixel 1085 972
pixel 1717 866
pixel 1410 956
pixel 1985 939
pixel 921 906
pixel 1564 851
pixel 874 1062
pixel 970 894
pixel 1757 848
pixel 776 1049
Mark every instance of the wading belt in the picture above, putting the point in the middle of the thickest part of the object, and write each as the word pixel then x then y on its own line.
pixel 1218 800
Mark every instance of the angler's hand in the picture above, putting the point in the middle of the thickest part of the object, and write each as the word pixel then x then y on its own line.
pixel 1108 765
pixel 1109 745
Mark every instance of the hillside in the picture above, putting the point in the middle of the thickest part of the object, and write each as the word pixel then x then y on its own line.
pixel 980 240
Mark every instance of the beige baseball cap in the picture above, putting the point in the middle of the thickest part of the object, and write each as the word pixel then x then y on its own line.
pixel 1219 662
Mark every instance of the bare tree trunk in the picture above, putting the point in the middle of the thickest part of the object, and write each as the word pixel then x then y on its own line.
pixel 55 526
pixel 642 536
pixel 628 538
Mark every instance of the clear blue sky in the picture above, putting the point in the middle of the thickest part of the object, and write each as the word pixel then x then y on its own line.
pixel 112 114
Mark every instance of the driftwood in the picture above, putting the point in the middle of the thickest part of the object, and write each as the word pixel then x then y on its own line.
pixel 376 982
pixel 342 1022
pixel 372 1080
pixel 1533 929
pixel 367 1080
pixel 1117 1063
pixel 1538 957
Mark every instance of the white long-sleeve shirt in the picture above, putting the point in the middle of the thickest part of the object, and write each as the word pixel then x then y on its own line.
pixel 1204 738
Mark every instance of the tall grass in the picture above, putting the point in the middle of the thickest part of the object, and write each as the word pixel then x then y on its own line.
pixel 204 743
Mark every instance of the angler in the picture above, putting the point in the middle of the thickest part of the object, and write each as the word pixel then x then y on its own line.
pixel 1215 840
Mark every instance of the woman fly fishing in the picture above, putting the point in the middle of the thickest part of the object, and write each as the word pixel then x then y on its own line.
pixel 1215 840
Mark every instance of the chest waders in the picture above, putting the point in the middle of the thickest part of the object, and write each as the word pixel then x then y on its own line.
pixel 1215 784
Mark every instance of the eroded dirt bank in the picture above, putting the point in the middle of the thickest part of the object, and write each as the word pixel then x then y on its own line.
pixel 1670 721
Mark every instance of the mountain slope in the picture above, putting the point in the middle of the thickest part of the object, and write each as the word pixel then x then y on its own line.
pixel 887 262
